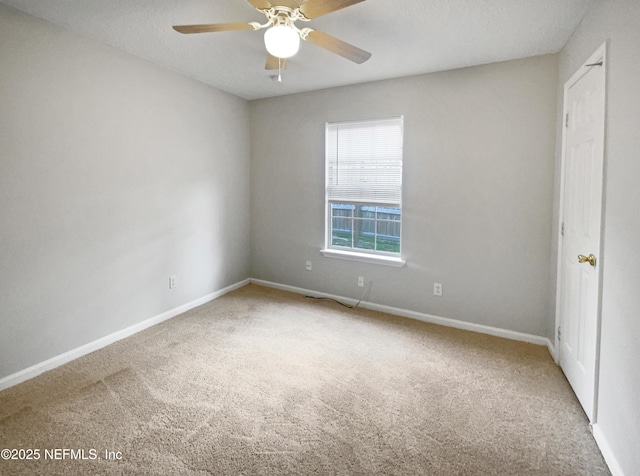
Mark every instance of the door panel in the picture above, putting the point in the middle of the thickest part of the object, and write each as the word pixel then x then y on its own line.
pixel 579 283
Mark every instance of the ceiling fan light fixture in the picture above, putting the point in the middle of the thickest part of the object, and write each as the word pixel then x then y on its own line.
pixel 282 41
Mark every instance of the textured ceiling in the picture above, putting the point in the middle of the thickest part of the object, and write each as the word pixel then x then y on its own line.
pixel 406 37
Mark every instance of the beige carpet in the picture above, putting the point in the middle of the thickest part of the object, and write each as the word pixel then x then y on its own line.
pixel 266 382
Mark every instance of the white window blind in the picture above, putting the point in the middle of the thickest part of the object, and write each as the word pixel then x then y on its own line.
pixel 364 161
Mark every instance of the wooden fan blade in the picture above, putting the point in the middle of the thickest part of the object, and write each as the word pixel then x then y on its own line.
pixel 273 62
pixel 317 8
pixel 261 4
pixel 188 29
pixel 293 4
pixel 338 47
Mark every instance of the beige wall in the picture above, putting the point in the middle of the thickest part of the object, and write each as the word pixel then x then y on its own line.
pixel 114 175
pixel 478 187
pixel 618 410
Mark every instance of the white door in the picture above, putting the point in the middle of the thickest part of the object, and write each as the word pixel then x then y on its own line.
pixel 579 257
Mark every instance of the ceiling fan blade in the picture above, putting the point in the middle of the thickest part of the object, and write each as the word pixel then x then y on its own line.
pixel 273 62
pixel 188 29
pixel 316 8
pixel 261 4
pixel 338 47
pixel 293 4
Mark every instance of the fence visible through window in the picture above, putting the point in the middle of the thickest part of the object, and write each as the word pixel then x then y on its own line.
pixel 366 227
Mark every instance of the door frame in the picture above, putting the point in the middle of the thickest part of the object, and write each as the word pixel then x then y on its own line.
pixel 599 55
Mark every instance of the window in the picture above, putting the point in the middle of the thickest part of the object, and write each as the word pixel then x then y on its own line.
pixel 364 190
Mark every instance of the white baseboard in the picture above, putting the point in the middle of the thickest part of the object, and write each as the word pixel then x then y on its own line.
pixel 607 453
pixel 37 369
pixel 73 354
pixel 552 351
pixel 443 321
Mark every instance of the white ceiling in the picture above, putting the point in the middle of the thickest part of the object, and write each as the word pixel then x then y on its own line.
pixel 406 37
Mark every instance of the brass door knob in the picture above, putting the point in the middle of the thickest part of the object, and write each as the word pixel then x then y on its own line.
pixel 587 259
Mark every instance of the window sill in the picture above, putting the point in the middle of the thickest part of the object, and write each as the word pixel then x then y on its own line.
pixel 364 258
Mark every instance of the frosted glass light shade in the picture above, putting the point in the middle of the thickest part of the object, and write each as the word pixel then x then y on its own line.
pixel 281 41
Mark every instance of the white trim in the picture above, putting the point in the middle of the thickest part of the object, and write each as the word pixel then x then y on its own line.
pixel 599 55
pixel 552 350
pixel 607 452
pixel 364 258
pixel 443 321
pixel 85 349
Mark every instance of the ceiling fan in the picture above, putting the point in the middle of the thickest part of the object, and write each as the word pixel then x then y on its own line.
pixel 282 39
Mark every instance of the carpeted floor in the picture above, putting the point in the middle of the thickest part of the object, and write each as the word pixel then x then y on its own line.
pixel 266 382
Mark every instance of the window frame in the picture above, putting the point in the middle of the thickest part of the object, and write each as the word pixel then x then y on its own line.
pixel 351 252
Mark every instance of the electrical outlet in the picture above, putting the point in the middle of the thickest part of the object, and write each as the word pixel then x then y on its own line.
pixel 172 282
pixel 437 289
pixel 361 281
pixel 308 265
